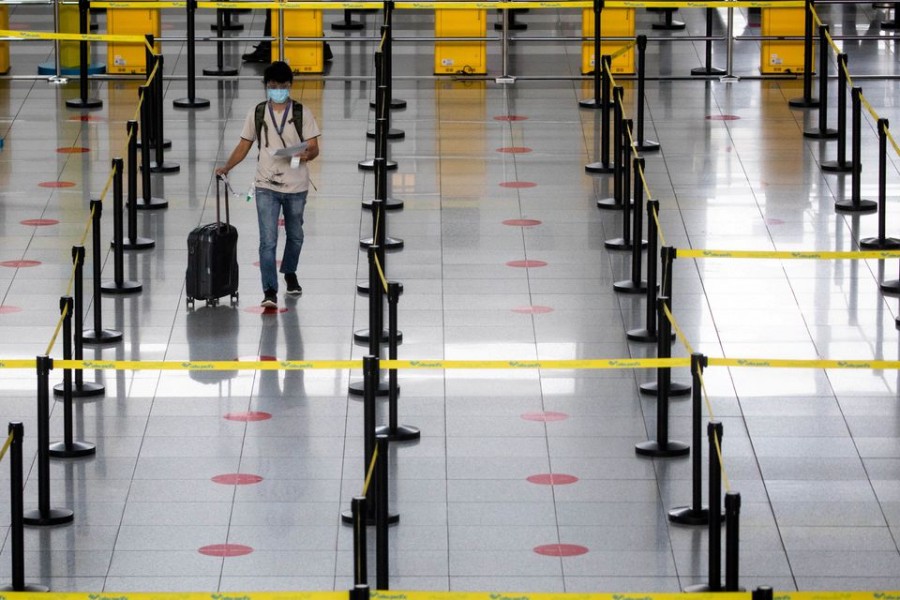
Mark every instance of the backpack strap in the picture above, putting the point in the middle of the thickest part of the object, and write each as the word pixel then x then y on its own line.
pixel 260 121
pixel 297 118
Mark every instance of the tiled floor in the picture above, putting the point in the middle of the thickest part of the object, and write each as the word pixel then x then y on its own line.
pixel 815 454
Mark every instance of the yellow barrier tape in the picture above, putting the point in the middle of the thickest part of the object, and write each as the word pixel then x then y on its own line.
pixel 59 323
pixel 6 446
pixel 18 363
pixel 369 472
pixel 330 5
pixel 709 411
pixel 613 363
pixel 812 363
pixel 384 282
pixel 621 51
pixel 868 107
pixel 646 186
pixel 817 22
pixel 212 365
pixel 786 255
pixel 678 330
pixel 659 229
pixel 73 37
pixel 891 139
pixel 831 42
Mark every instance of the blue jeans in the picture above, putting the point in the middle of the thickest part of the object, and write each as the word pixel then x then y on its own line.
pixel 269 204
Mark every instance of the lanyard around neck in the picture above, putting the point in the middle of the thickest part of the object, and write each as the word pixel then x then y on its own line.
pixel 278 130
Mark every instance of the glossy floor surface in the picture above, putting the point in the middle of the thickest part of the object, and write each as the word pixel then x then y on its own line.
pixel 490 174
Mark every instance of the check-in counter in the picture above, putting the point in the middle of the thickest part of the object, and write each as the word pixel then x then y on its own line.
pixel 782 56
pixel 4 46
pixel 451 58
pixel 614 22
pixel 303 57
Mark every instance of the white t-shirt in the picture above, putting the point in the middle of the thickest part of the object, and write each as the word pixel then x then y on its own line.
pixel 275 172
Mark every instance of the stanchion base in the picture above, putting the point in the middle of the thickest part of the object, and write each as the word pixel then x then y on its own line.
pixel 641 335
pixel 874 243
pixel 686 515
pixel 369 165
pixel 833 166
pixel 191 103
pixel 647 146
pixel 593 103
pixel 704 72
pixel 106 336
pixel 393 134
pixel 396 104
pixel 389 243
pixel 676 388
pixel 85 389
pixel 609 204
pixel 139 243
pixel 348 26
pixel 167 143
pixel 627 286
pixel 223 72
pixel 702 588
pixel 404 433
pixel 347 519
pixel 671 450
pixel 670 26
pixel 890 287
pixel 152 204
pixel 599 167
pixel 358 388
pixel 618 244
pixel 76 450
pixel 84 104
pixel 362 336
pixel 127 287
pixel 164 167
pixel 818 134
pixel 363 287
pixel 55 516
pixel 850 206
pixel 389 204
pixel 26 588
pixel 803 102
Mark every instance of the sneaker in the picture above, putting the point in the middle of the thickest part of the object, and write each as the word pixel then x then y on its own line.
pixel 293 288
pixel 270 300
pixel 262 54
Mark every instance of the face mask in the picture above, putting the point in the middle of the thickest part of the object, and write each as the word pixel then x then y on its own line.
pixel 278 96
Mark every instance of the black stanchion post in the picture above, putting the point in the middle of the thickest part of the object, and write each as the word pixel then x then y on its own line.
pixel 381 145
pixel 394 432
pixel 662 447
pixel 382 518
pixel 148 202
pixel 623 157
pixel 68 448
pixel 134 242
pixel 360 547
pixel 696 513
pixel 708 70
pixel 604 165
pixel 642 144
pixel 840 165
pixel 648 333
pixel 615 201
pixel 16 509
pixel 361 592
pixel 151 124
pixel 379 218
pixel 227 23
pixel 669 24
pixel 599 73
pixel 376 323
pixel 82 388
pixel 763 592
pixel 45 516
pixel 636 285
pixel 191 101
pixel 98 335
pixel 119 285
pixel 807 101
pixel 676 388
pixel 370 385
pixel 83 102
pixel 156 89
pixel 714 433
pixel 856 202
pixel 822 132
pixel 732 541
pixel 882 242
pixel 384 85
pixel 221 70
pixel 393 103
pixel 348 24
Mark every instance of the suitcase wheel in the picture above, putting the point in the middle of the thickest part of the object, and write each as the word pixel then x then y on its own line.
pixel 190 303
pixel 212 302
pixel 234 298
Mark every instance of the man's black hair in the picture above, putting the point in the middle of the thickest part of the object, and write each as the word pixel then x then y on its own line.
pixel 279 72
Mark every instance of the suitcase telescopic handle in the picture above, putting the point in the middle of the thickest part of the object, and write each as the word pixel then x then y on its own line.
pixel 219 180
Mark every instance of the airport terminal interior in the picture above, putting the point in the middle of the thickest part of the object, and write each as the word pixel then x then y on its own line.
pixel 523 479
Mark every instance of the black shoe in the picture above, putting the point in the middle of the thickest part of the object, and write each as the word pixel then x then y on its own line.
pixel 293 288
pixel 262 54
pixel 270 300
pixel 326 52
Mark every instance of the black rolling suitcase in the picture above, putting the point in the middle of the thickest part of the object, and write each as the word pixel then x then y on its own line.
pixel 212 270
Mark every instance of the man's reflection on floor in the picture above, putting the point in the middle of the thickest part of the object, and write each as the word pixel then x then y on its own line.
pixel 270 385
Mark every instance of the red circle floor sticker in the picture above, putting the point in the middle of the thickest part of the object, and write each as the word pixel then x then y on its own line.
pixel 248 416
pixel 552 479
pixel 17 264
pixel 225 550
pixel 522 222
pixel 237 479
pixel 561 550
pixel 514 149
pixel 530 264
pixel 39 222
pixel 546 416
